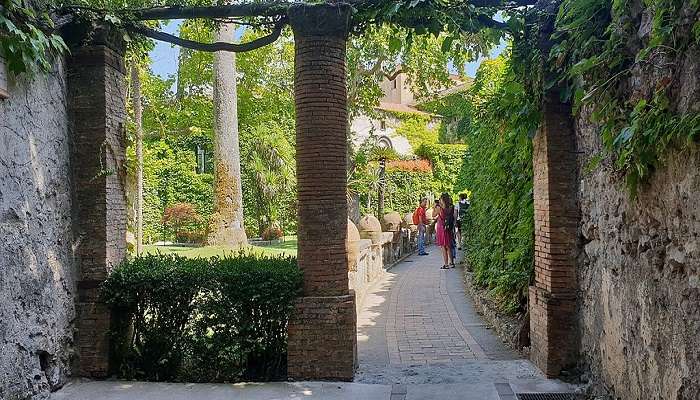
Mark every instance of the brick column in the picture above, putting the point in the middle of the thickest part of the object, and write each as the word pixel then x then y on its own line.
pixel 552 300
pixel 322 336
pixel 96 104
pixel 553 297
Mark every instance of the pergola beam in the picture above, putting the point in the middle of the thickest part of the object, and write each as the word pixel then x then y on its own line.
pixel 268 9
pixel 210 47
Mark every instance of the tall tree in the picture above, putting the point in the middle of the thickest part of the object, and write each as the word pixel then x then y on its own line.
pixel 138 122
pixel 226 225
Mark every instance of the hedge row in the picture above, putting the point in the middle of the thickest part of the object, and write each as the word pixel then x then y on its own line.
pixel 201 320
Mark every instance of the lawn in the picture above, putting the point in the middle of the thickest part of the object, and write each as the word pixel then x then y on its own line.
pixel 288 247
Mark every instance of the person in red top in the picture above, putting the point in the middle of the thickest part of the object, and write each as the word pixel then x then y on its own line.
pixel 420 219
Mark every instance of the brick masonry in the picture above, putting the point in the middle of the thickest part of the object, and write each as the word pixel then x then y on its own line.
pixel 552 299
pixel 96 109
pixel 322 338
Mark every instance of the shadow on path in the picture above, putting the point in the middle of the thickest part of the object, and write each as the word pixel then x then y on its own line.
pixel 417 326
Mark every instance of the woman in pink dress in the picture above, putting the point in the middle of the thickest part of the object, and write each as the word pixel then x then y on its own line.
pixel 443 237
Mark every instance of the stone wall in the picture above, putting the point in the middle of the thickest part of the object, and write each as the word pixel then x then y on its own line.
pixel 36 259
pixel 639 265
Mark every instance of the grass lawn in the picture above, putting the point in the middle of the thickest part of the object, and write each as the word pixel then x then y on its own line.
pixel 288 247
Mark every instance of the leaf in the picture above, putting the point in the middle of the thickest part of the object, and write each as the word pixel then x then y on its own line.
pixel 623 137
pixel 394 44
pixel 447 44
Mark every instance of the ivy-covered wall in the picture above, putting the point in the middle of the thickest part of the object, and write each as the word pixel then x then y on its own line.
pixel 639 262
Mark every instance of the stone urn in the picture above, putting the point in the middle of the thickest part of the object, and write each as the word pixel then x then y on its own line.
pixel 370 228
pixel 391 222
pixel 352 245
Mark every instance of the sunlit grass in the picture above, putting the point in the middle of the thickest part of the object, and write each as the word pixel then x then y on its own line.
pixel 287 247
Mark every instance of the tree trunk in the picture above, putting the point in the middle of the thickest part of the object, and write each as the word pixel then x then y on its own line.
pixel 226 226
pixel 138 121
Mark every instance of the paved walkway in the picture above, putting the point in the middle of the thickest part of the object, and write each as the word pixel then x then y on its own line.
pixel 417 326
pixel 419 338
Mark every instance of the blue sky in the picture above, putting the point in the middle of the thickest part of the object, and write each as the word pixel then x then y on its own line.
pixel 164 55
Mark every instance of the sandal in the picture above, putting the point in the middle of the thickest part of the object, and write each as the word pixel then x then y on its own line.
pixel 444 267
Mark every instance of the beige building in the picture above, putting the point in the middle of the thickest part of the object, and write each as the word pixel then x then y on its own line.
pixel 398 99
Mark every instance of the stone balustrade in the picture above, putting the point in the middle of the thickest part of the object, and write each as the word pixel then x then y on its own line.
pixel 375 247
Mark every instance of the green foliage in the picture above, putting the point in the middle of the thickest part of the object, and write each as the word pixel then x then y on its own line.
pixel 598 49
pixel 455 111
pixel 27 40
pixel 497 170
pixel 414 127
pixel 201 320
pixel 378 51
pixel 404 190
pixel 446 160
pixel 267 137
pixel 273 171
pixel 170 177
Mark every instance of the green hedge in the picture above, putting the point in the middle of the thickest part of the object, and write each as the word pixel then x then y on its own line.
pixel 446 160
pixel 201 320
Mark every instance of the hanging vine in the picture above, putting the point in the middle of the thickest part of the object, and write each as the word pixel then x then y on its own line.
pixel 601 48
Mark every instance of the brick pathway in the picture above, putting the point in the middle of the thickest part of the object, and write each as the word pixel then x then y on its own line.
pixel 418 326
pixel 422 323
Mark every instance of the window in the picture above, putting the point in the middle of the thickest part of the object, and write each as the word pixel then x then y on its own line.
pixel 384 142
pixel 3 80
pixel 394 83
pixel 382 124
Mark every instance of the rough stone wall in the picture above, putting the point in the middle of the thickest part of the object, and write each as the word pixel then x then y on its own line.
pixel 36 259
pixel 639 265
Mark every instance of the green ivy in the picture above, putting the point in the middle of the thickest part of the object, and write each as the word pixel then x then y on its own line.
pixel 27 40
pixel 497 171
pixel 446 160
pixel 597 52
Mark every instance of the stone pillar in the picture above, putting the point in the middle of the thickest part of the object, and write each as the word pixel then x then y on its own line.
pixel 322 337
pixel 96 103
pixel 552 299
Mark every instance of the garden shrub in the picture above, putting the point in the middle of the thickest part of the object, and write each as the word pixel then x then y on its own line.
pixel 201 320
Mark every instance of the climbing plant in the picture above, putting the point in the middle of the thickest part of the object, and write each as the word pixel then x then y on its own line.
pixel 497 170
pixel 600 47
pixel 28 40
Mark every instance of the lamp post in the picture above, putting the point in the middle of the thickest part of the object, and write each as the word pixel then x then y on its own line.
pixel 382 187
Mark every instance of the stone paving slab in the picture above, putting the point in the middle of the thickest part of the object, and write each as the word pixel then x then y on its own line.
pixel 120 390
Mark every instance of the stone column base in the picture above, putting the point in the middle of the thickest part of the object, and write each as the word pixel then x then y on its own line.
pixel 322 342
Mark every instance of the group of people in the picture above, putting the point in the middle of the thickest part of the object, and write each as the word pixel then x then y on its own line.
pixel 448 226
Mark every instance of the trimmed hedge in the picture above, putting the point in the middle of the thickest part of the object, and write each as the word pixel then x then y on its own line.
pixel 201 320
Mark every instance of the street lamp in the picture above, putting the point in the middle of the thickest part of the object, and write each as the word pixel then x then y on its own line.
pixel 382 186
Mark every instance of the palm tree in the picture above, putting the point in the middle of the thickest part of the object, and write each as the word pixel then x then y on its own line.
pixel 273 166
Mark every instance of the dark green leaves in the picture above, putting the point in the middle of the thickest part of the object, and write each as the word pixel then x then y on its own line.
pixel 202 320
pixel 24 46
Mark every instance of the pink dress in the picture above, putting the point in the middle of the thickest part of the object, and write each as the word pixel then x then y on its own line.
pixel 441 238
